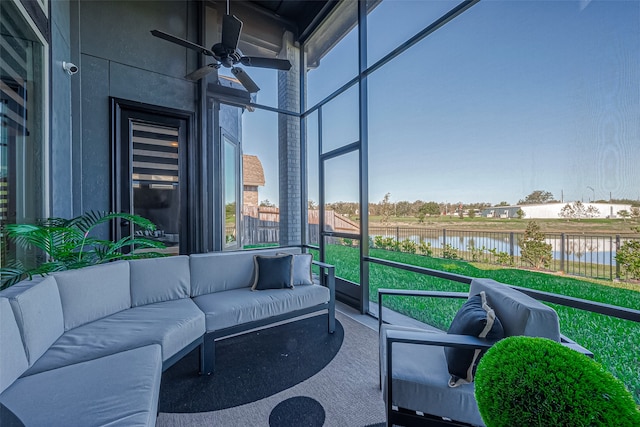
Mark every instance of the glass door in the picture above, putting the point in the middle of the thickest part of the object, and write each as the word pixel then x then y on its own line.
pixel 150 174
pixel 155 181
pixel 340 220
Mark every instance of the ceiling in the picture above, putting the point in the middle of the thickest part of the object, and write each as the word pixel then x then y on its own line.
pixel 299 16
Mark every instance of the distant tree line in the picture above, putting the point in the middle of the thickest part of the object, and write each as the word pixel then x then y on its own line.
pixel 421 209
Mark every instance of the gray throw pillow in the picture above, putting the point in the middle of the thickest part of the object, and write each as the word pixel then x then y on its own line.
pixel 302 269
pixel 273 272
pixel 477 319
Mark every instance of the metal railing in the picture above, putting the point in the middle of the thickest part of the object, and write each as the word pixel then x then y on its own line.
pixel 582 304
pixel 587 255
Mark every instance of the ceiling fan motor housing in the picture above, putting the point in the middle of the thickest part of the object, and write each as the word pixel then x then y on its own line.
pixel 226 56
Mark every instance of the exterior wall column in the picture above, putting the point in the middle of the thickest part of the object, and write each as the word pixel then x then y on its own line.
pixel 289 145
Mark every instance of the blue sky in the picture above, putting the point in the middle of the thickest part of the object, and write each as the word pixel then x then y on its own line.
pixel 510 97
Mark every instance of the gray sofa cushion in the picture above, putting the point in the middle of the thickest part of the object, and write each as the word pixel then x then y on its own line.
pixel 223 271
pixel 519 313
pixel 159 279
pixel 92 293
pixel 38 311
pixel 420 381
pixel 13 360
pixel 116 390
pixel 302 273
pixel 173 324
pixel 238 306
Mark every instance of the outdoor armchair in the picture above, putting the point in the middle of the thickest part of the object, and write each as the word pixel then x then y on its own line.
pixel 413 368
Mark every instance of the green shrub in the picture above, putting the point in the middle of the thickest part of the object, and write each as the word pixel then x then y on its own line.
pixel 449 252
pixel 477 254
pixel 347 242
pixel 425 248
pixel 628 257
pixel 530 381
pixel 408 246
pixel 535 250
pixel 502 257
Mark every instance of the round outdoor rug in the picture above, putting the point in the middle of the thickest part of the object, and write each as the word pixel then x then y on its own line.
pixel 251 367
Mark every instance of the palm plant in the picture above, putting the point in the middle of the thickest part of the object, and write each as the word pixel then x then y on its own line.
pixel 68 245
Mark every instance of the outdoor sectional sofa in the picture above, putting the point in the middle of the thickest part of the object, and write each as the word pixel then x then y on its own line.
pixel 88 347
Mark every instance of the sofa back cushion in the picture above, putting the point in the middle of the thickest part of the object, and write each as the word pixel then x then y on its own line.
pixel 159 279
pixel 519 313
pixel 38 311
pixel 222 271
pixel 13 360
pixel 94 292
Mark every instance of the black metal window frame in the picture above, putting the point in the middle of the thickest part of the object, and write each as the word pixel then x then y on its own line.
pixel 362 144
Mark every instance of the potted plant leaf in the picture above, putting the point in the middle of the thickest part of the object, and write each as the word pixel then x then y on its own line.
pixel 68 244
pixel 529 381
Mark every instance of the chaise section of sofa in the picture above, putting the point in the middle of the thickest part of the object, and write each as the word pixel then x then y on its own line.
pixel 162 312
pixel 117 390
pixel 93 342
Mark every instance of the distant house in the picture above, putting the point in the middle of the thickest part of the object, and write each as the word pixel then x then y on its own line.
pixel 500 212
pixel 252 178
pixel 551 210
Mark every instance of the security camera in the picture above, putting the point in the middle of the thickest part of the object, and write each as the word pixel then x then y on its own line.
pixel 70 68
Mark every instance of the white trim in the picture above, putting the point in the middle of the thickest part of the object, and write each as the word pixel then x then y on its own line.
pixel 44 5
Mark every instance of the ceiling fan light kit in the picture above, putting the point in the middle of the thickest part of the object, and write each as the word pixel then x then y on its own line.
pixel 227 54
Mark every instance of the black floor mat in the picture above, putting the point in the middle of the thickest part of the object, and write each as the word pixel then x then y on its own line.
pixel 251 367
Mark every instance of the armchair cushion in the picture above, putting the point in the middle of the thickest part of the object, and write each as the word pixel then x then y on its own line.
pixel 420 380
pixel 477 319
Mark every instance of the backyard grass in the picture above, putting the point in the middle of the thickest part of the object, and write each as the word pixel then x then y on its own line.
pixel 614 342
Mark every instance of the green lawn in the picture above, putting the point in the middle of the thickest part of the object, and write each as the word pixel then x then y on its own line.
pixel 614 342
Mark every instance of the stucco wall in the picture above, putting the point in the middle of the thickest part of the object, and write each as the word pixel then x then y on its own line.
pixel 119 57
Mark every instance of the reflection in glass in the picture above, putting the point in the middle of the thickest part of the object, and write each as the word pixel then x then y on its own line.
pixel 231 218
pixel 261 182
pixel 313 183
pixel 22 132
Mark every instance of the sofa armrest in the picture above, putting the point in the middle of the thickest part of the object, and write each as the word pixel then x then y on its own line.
pixel 327 276
pixel 328 279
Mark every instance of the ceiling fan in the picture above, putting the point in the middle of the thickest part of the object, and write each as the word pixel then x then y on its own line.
pixel 227 54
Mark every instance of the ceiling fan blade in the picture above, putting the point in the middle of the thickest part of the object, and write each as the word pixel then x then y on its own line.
pixel 231 28
pixel 200 72
pixel 278 64
pixel 181 42
pixel 244 78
